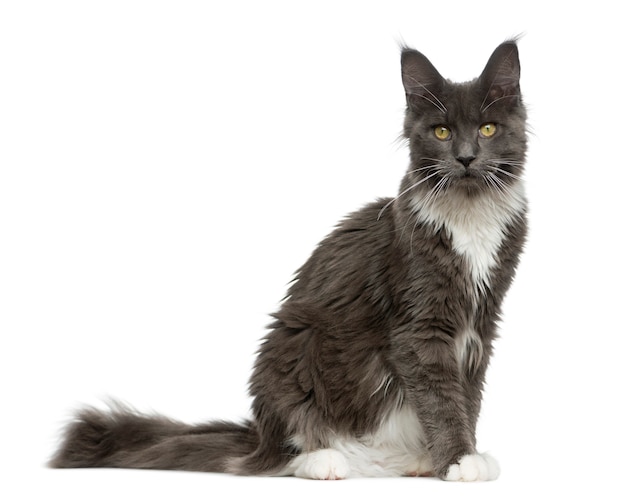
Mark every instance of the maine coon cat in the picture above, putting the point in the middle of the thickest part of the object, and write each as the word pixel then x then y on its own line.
pixel 375 362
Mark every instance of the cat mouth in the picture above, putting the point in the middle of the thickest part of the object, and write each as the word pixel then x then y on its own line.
pixel 470 174
pixel 469 179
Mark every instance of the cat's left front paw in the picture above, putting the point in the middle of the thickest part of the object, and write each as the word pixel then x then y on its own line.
pixel 474 468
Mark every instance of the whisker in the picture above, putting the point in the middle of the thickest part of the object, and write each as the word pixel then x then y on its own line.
pixel 497 169
pixel 434 192
pixel 440 161
pixel 496 184
pixel 490 181
pixel 495 100
pixel 429 199
pixel 505 160
pixel 508 173
pixel 501 186
pixel 437 103
pixel 442 109
pixel 494 165
pixel 423 201
pixel 427 177
pixel 417 170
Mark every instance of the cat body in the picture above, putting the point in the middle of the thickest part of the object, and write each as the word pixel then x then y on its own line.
pixel 375 362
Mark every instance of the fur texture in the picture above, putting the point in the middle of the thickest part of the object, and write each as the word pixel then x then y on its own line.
pixel 375 362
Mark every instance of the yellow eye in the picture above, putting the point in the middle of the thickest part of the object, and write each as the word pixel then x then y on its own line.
pixel 487 130
pixel 442 132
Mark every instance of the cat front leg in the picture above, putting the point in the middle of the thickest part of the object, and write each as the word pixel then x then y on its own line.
pixel 435 387
pixel 474 467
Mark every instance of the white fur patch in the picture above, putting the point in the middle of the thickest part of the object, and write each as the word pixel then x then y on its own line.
pixel 395 449
pixel 327 465
pixel 469 349
pixel 477 225
pixel 474 468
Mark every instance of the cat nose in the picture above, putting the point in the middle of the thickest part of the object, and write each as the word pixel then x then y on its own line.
pixel 465 160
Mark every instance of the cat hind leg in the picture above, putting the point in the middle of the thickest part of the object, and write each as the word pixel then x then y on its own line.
pixel 326 464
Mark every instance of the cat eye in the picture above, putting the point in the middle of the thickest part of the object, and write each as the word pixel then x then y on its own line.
pixel 487 130
pixel 442 132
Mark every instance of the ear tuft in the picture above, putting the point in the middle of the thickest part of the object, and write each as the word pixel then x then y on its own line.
pixel 501 75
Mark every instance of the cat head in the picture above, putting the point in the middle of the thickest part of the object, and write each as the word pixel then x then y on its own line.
pixel 465 136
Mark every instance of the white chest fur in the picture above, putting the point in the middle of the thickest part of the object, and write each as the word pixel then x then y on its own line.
pixel 476 225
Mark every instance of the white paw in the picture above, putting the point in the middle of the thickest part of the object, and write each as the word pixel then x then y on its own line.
pixel 474 468
pixel 326 464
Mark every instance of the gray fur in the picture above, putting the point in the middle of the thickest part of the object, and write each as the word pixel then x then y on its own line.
pixel 374 320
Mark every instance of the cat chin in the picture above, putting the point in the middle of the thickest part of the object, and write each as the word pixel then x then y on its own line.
pixel 470 185
pixel 472 180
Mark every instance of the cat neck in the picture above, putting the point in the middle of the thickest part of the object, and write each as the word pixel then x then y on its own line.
pixel 476 224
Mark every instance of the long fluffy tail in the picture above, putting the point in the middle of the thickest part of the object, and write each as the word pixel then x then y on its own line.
pixel 126 439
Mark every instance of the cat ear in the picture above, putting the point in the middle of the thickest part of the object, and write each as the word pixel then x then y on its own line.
pixel 500 77
pixel 422 82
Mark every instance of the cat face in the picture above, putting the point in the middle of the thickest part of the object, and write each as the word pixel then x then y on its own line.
pixel 468 136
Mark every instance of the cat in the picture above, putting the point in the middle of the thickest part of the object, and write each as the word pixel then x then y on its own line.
pixel 375 362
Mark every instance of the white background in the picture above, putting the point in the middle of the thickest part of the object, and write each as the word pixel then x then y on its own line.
pixel 165 167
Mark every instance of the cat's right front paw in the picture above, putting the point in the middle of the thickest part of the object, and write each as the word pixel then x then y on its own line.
pixel 474 468
pixel 326 464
